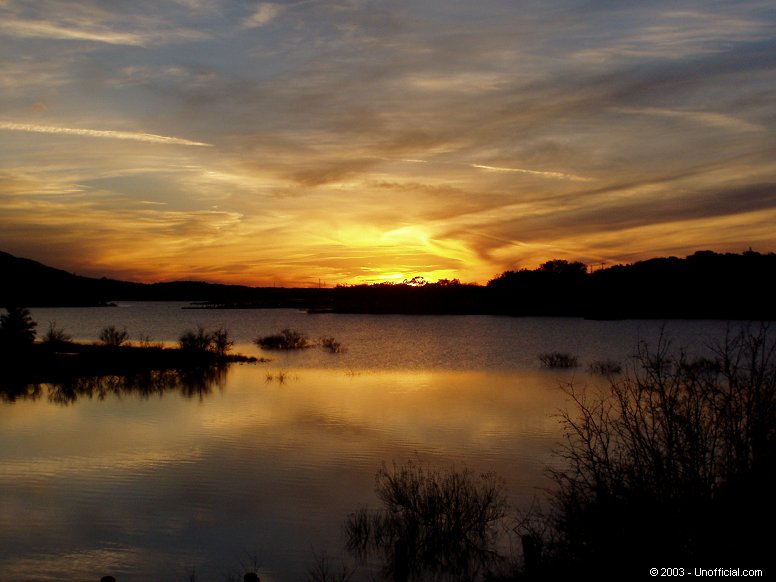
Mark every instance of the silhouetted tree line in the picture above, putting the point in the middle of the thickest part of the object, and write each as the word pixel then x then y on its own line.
pixel 411 297
pixel 703 285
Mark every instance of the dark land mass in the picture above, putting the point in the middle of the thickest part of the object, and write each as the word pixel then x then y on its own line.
pixel 705 285
pixel 63 361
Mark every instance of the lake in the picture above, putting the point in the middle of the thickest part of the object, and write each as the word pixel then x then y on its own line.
pixel 260 467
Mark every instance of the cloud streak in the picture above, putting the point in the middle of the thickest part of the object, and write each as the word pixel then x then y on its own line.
pixel 543 174
pixel 100 133
pixel 50 30
pixel 359 139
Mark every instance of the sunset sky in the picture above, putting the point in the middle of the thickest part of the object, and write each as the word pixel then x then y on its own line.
pixel 348 141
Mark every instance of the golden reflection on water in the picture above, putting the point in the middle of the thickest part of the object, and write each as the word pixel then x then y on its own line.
pixel 257 465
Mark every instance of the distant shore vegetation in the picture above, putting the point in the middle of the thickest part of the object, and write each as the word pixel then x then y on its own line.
pixel 705 284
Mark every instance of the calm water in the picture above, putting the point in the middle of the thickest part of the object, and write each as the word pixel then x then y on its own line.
pixel 262 468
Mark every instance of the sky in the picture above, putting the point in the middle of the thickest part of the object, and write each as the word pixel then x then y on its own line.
pixel 305 143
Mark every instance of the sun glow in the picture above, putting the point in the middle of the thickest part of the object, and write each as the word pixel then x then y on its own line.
pixel 282 165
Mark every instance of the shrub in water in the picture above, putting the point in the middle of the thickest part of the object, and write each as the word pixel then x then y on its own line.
pixel 332 345
pixel 198 340
pixel 432 521
pixel 558 360
pixel 220 343
pixel 605 367
pixel 288 339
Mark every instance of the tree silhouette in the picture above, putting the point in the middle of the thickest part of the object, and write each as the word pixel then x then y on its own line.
pixel 677 460
pixel 17 328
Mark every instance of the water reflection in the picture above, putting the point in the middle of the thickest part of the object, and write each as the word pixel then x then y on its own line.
pixel 196 382
pixel 434 525
pixel 127 482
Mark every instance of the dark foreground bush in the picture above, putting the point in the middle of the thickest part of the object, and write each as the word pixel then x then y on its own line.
pixel 675 463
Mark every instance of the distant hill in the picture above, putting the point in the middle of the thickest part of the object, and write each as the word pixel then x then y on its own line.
pixel 31 284
pixel 704 285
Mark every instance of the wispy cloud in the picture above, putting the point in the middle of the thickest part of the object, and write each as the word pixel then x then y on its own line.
pixel 709 118
pixel 100 133
pixel 543 174
pixel 263 15
pixel 385 137
pixel 52 30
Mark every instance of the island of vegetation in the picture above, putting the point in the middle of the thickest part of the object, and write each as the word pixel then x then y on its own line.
pixel 57 358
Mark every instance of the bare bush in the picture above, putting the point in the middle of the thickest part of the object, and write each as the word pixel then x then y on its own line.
pixel 112 336
pixel 195 340
pixel 55 335
pixel 220 343
pixel 677 460
pixel 431 521
pixel 200 340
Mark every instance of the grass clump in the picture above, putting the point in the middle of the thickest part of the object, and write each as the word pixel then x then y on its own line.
pixel 558 360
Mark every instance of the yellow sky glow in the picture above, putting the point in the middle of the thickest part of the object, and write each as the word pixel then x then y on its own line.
pixel 287 144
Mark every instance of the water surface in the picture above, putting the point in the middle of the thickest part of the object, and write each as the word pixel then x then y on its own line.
pixel 262 466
